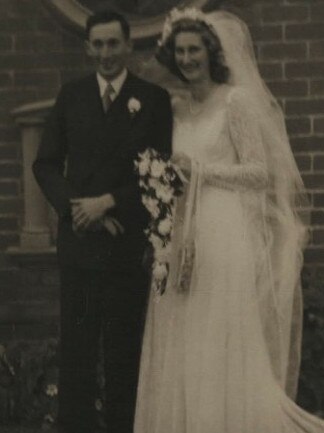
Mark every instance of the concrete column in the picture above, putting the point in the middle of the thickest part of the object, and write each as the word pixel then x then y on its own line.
pixel 36 234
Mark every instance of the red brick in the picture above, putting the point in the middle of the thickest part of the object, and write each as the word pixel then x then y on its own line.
pixel 304 31
pixel 283 51
pixel 314 181
pixel 304 162
pixel 71 42
pixel 8 239
pixel 16 25
pixel 312 106
pixel 288 88
pixel 298 125
pixel 316 49
pixel 5 80
pixel 319 125
pixel 8 188
pixel 319 162
pixel 267 33
pixel 284 13
pixel 7 223
pixel 9 170
pixel 303 70
pixel 8 151
pixel 271 71
pixel 37 79
pixel 47 25
pixel 314 255
pixel 317 87
pixel 319 200
pixel 9 134
pixel 35 331
pixel 6 43
pixel 317 12
pixel 10 205
pixel 40 60
pixel 317 217
pixel 38 43
pixel 318 237
pixel 71 74
pixel 307 144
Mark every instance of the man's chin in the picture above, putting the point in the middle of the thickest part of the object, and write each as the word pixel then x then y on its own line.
pixel 109 74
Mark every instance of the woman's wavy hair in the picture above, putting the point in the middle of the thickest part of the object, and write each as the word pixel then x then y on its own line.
pixel 165 54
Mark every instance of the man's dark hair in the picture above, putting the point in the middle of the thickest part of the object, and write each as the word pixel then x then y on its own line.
pixel 107 16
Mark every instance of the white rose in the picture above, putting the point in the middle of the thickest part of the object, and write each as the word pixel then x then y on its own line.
pixel 134 105
pixel 165 194
pixel 51 390
pixel 156 242
pixel 157 168
pixel 160 271
pixel 165 226
pixel 98 405
pixel 143 167
pixel 154 183
pixel 151 205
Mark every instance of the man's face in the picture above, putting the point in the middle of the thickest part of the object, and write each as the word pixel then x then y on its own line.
pixel 109 48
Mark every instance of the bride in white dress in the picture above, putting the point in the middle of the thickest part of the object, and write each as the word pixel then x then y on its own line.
pixel 221 347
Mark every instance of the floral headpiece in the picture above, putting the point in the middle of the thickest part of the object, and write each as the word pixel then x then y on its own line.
pixel 175 15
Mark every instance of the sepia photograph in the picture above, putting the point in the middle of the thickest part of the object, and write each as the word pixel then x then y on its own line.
pixel 162 216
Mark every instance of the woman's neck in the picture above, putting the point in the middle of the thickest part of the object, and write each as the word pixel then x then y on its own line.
pixel 200 91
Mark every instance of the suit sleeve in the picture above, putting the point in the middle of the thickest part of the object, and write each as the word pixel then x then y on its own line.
pixel 49 164
pixel 160 138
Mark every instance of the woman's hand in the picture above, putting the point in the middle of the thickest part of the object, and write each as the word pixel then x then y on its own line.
pixel 183 162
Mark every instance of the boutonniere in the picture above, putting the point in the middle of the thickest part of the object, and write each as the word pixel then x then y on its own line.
pixel 134 106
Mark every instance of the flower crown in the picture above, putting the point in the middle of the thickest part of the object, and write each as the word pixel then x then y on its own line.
pixel 175 15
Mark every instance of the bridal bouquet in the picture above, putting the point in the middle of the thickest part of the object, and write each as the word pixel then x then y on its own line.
pixel 161 182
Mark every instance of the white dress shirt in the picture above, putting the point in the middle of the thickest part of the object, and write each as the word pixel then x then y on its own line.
pixel 116 84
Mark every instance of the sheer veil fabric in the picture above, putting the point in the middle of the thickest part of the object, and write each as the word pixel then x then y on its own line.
pixel 224 355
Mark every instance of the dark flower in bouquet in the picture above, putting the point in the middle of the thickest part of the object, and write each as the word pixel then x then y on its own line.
pixel 161 182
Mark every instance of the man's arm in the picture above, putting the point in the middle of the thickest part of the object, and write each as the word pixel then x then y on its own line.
pixel 87 211
pixel 48 167
pixel 161 140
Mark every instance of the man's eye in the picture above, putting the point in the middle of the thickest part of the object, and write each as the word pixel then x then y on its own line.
pixel 97 44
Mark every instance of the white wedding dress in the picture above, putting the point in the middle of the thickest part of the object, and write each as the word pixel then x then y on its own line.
pixel 206 366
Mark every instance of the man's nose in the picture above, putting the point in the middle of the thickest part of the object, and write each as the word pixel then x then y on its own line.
pixel 105 51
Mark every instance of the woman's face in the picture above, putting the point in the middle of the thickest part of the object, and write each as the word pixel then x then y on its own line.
pixel 191 57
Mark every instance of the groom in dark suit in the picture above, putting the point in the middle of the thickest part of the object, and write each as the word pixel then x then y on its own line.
pixel 85 167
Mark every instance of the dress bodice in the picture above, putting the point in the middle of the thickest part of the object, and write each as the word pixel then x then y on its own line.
pixel 224 138
pixel 204 135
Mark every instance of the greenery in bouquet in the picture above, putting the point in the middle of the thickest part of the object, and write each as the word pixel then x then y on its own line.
pixel 160 182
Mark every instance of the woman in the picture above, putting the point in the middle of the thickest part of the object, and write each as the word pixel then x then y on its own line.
pixel 221 347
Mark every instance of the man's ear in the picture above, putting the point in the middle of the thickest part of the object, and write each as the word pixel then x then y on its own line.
pixel 87 47
pixel 130 45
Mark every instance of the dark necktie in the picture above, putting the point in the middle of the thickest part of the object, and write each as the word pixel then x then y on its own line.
pixel 107 97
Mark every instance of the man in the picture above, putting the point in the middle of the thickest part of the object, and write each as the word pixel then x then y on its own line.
pixel 97 127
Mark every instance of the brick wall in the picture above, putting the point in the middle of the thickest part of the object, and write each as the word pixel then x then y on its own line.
pixel 37 54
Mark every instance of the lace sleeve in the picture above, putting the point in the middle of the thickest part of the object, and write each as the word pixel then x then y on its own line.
pixel 245 134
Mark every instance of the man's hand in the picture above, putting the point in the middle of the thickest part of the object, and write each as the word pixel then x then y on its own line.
pixel 86 211
pixel 113 226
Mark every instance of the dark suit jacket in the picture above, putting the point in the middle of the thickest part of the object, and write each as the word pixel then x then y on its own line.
pixel 98 150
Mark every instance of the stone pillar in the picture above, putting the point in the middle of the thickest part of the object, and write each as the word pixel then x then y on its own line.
pixel 35 235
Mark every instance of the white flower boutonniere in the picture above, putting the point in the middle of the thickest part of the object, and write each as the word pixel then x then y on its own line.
pixel 134 106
